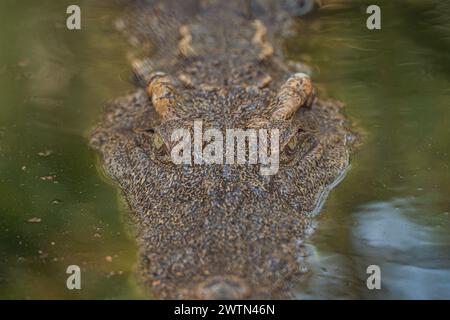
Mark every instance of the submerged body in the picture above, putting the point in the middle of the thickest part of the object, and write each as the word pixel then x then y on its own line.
pixel 220 230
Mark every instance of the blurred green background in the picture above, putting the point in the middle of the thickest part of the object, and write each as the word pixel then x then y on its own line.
pixel 392 209
pixel 53 85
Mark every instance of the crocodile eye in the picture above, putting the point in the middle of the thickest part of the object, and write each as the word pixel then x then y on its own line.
pixel 161 153
pixel 292 144
pixel 158 142
pixel 290 151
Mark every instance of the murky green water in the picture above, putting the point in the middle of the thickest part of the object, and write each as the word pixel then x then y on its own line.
pixel 392 209
pixel 53 83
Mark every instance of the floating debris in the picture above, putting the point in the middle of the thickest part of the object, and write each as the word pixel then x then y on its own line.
pixel 108 258
pixel 23 63
pixel 56 201
pixel 119 24
pixel 42 254
pixel 35 220
pixel 110 274
pixel 49 177
pixel 45 153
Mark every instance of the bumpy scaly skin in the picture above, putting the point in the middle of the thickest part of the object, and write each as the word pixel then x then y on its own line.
pixel 220 231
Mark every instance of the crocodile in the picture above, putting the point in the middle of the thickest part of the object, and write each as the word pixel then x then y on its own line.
pixel 220 231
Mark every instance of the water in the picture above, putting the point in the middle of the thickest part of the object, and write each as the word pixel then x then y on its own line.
pixel 392 209
pixel 53 84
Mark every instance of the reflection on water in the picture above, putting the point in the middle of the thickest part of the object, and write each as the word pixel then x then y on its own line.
pixel 414 255
pixel 392 208
pixel 412 252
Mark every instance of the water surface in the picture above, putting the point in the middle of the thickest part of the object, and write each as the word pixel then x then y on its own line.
pixel 392 209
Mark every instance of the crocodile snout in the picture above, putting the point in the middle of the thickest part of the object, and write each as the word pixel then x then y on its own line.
pixel 223 287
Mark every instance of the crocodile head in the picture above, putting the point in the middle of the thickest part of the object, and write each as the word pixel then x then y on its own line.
pixel 222 230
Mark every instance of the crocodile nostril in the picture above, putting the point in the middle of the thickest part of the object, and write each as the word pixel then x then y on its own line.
pixel 223 287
